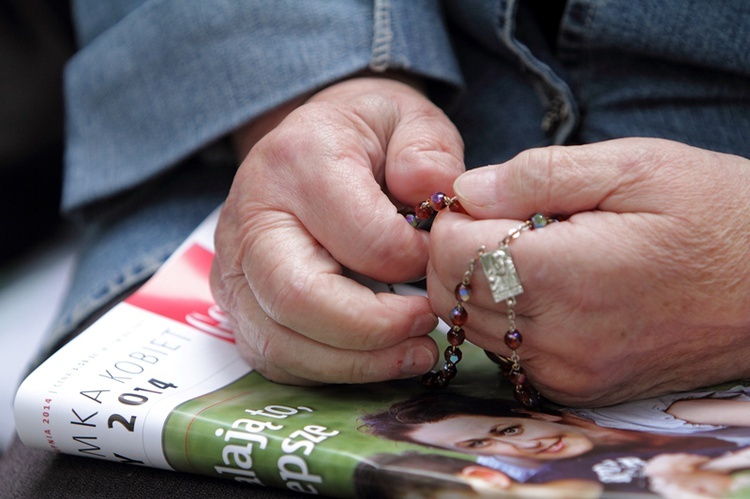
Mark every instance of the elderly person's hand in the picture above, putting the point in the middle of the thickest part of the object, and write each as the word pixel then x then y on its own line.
pixel 642 289
pixel 318 194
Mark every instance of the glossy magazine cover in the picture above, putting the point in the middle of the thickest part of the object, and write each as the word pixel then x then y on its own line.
pixel 158 382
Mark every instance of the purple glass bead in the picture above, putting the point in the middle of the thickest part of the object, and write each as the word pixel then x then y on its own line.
pixel 412 219
pixel 437 201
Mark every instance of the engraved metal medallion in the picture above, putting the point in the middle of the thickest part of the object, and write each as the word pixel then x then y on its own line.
pixel 501 274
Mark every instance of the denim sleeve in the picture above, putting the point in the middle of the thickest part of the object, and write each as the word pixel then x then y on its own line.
pixel 156 80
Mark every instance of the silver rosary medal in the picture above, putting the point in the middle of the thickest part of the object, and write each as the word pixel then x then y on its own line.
pixel 501 274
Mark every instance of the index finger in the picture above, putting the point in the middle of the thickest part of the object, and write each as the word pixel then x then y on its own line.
pixel 301 286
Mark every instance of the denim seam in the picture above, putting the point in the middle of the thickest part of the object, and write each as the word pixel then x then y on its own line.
pixel 138 272
pixel 551 82
pixel 382 38
pixel 574 43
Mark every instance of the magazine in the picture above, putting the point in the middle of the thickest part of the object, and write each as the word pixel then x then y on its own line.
pixel 157 381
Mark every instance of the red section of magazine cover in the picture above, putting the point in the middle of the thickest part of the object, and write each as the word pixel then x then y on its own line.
pixel 181 291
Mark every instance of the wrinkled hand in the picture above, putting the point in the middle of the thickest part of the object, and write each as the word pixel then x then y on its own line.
pixel 643 289
pixel 317 194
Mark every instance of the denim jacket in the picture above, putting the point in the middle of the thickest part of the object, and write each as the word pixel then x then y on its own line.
pixel 156 80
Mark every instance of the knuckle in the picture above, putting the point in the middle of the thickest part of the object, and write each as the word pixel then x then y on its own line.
pixel 226 289
pixel 284 302
pixel 583 383
pixel 268 354
pixel 252 349
pixel 356 368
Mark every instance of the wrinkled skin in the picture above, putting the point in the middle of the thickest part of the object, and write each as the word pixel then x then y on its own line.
pixel 642 289
pixel 318 192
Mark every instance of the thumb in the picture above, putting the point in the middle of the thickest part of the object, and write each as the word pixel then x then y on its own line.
pixel 425 153
pixel 564 180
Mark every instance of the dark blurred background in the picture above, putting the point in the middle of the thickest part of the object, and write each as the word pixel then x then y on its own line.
pixel 36 38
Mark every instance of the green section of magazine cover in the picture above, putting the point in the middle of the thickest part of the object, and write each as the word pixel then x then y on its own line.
pixel 306 439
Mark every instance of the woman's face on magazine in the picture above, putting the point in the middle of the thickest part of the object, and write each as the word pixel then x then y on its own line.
pixel 517 437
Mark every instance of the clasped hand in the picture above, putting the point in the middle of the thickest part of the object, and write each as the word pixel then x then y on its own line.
pixel 644 288
pixel 318 194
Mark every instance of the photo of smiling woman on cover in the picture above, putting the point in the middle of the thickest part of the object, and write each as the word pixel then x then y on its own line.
pixel 542 445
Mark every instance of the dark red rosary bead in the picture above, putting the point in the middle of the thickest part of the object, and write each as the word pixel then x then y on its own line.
pixel 513 339
pixel 424 211
pixel 456 336
pixel 453 354
pixel 459 315
pixel 462 292
pixel 449 371
pixel 456 207
pixel 523 391
pixel 517 376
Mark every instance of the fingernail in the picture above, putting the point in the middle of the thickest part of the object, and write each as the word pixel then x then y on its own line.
pixel 417 361
pixel 477 187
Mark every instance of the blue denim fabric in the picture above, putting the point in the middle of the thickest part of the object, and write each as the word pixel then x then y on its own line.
pixel 141 94
pixel 157 80
pixel 516 96
pixel 677 70
pixel 126 239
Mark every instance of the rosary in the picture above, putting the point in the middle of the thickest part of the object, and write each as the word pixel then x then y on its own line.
pixel 505 285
